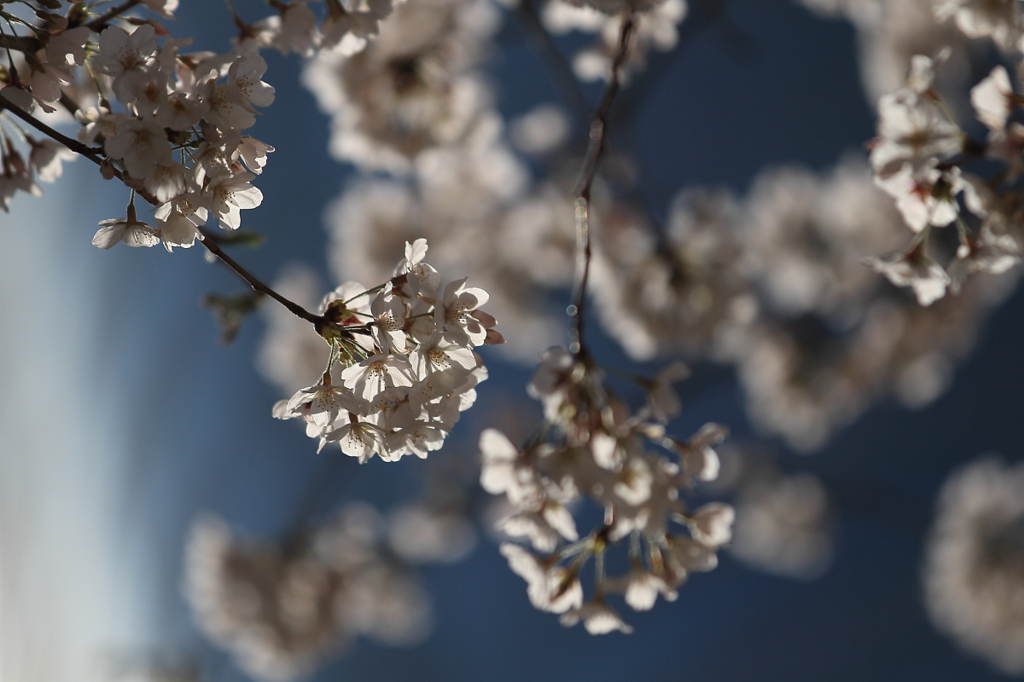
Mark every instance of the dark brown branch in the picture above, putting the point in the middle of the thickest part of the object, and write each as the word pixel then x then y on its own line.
pixel 211 244
pixel 101 21
pixel 595 146
pixel 30 44
pixel 20 43
pixel 94 155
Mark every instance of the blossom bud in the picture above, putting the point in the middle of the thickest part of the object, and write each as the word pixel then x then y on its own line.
pixel 330 332
pixel 338 313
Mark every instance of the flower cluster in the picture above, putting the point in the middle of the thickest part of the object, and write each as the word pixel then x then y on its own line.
pixel 196 105
pixel 417 86
pixel 281 607
pixel 177 137
pixel 39 81
pixel 590 445
pixel 344 26
pixel 974 585
pixel 45 162
pixel 921 154
pixel 774 284
pixel 402 365
pixel 656 28
pixel 785 522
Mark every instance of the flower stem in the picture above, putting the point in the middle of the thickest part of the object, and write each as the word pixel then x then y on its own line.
pixel 584 183
pixel 257 285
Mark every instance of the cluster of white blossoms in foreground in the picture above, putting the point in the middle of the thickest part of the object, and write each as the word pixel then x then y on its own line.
pixel 402 366
pixel 974 564
pixel 176 137
pixel 179 136
pixel 590 445
pixel 922 152
pixel 283 606
pixel 774 282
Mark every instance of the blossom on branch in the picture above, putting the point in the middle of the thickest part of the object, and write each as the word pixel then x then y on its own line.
pixel 403 385
pixel 590 446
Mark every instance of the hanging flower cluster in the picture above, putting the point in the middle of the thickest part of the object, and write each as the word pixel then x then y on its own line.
pixel 919 158
pixel 190 106
pixel 282 606
pixel 402 365
pixel 591 445
pixel 974 586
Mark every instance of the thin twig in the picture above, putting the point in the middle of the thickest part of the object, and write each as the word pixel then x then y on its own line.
pixel 598 131
pixel 20 43
pixel 31 45
pixel 94 155
pixel 101 21
pixel 545 48
pixel 701 16
pixel 211 244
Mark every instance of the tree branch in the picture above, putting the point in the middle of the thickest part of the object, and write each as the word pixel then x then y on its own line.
pixel 101 21
pixel 20 43
pixel 94 154
pixel 585 181
pixel 211 244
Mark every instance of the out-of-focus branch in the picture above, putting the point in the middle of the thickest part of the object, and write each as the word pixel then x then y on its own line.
pixel 545 48
pixel 101 21
pixel 595 146
pixel 702 17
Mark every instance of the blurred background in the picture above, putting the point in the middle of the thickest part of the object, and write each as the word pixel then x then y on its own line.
pixel 124 419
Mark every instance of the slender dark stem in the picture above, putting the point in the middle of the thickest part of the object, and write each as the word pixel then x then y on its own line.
pixel 20 43
pixel 211 244
pixel 112 13
pixel 598 130
pixel 69 104
pixel 545 48
pixel 94 155
pixel 701 16
pixel 29 44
